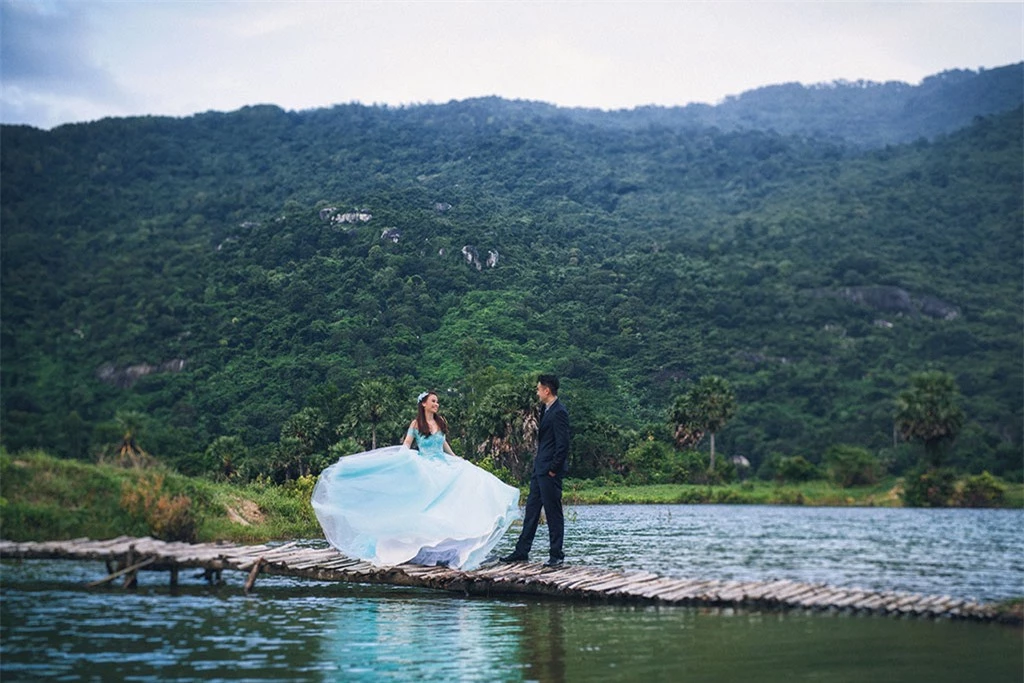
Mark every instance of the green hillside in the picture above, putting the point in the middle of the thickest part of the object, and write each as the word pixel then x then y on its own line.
pixel 243 275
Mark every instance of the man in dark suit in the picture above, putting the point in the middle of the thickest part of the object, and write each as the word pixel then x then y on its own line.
pixel 549 466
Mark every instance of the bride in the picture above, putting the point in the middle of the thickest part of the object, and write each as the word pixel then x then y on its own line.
pixel 394 505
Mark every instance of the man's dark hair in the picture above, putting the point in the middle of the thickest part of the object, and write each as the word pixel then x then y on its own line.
pixel 550 381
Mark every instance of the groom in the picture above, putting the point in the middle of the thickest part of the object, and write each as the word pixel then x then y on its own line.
pixel 550 465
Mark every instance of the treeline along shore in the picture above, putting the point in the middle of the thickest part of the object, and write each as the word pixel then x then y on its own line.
pixel 803 295
pixel 47 498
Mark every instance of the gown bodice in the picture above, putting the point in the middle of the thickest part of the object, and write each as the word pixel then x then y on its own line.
pixel 432 445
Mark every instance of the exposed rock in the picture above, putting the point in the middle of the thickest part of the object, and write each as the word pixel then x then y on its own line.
pixel 124 378
pixel 393 234
pixel 332 215
pixel 355 217
pixel 739 462
pixel 227 240
pixel 937 308
pixel 472 256
pixel 893 300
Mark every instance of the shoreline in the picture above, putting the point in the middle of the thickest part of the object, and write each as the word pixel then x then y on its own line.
pixel 47 498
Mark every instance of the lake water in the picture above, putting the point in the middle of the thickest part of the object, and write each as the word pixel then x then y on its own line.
pixel 51 628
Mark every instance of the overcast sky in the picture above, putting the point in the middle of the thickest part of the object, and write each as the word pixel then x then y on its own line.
pixel 79 60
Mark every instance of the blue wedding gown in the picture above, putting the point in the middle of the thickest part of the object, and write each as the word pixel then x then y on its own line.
pixel 395 505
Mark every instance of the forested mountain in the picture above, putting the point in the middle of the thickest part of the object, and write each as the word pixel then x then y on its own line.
pixel 244 274
pixel 864 114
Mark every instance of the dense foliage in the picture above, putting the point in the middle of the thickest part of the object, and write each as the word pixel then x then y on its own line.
pixel 264 290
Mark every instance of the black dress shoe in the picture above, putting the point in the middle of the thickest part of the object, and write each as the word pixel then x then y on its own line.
pixel 554 562
pixel 513 558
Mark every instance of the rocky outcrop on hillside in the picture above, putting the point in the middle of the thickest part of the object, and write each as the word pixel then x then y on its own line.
pixel 333 214
pixel 472 256
pixel 127 376
pixel 893 300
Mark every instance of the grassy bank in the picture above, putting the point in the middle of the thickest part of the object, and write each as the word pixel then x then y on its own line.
pixel 821 493
pixel 886 493
pixel 44 498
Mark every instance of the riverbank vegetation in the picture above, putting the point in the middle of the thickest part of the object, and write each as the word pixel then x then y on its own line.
pixel 44 498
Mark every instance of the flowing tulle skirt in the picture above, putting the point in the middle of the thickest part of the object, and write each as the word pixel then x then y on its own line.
pixel 394 505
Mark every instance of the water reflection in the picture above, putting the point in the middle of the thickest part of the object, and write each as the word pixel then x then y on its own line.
pixel 292 630
pixel 420 635
pixel 543 638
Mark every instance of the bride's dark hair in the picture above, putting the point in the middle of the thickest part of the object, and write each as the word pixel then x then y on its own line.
pixel 421 417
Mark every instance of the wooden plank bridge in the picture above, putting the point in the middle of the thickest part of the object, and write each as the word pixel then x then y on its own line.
pixel 126 556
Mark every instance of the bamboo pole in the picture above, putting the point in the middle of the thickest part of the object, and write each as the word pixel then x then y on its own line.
pixel 131 568
pixel 251 581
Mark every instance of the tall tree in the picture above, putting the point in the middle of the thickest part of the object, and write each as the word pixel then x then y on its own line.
pixel 131 424
pixel 303 435
pixel 928 412
pixel 707 407
pixel 505 426
pixel 375 402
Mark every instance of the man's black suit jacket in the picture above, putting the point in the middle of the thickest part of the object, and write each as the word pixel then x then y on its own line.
pixel 553 441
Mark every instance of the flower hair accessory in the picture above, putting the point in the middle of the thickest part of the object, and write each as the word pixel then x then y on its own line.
pixel 419 399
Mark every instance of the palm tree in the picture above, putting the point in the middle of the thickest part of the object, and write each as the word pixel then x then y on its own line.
pixel 707 407
pixel 374 402
pixel 504 425
pixel 928 412
pixel 130 423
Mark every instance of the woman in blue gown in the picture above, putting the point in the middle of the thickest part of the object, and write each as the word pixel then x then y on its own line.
pixel 395 504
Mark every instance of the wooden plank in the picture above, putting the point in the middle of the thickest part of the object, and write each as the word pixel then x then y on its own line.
pixel 695 591
pixel 565 576
pixel 736 593
pixel 135 567
pixel 251 580
pixel 684 590
pixel 588 575
pixel 600 578
pixel 826 598
pixel 782 594
pixel 791 596
pixel 667 585
pixel 634 587
pixel 853 596
pixel 340 563
pixel 903 602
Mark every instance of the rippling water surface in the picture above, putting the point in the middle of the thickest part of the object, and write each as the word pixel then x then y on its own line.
pixel 51 628
pixel 976 554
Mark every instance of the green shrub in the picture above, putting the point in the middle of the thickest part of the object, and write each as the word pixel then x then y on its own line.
pixel 929 488
pixel 650 462
pixel 796 468
pixel 169 517
pixel 851 466
pixel 982 491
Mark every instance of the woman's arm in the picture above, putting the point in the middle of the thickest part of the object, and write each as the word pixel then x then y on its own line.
pixel 448 449
pixel 409 435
